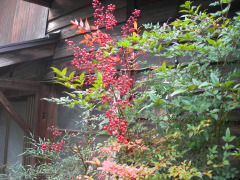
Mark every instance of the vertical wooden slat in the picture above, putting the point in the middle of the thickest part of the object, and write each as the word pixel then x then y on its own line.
pixel 6 141
pixel 7 13
pixel 21 21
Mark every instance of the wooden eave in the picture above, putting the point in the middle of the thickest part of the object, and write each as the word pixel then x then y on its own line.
pixel 28 50
pixel 46 3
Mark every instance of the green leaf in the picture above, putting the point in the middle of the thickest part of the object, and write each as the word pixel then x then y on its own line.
pixel 227 84
pixel 64 71
pixel 179 91
pixel 215 116
pixel 81 77
pixel 99 76
pixel 57 71
pixel 146 107
pixel 71 75
pixel 164 65
pixel 152 96
pixel 204 84
pixel 228 137
pixel 227 133
pixel 214 78
pixel 192 86
pixel 212 42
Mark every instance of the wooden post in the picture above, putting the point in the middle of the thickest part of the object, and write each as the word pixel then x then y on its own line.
pixel 47 111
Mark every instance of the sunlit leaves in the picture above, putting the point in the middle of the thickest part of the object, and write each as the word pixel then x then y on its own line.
pixel 83 27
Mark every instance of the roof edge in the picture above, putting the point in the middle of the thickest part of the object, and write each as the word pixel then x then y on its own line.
pixel 46 3
pixel 49 38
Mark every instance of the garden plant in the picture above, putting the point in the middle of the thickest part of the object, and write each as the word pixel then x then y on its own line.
pixel 166 121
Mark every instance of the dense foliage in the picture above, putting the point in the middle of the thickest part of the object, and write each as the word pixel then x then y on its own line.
pixel 169 124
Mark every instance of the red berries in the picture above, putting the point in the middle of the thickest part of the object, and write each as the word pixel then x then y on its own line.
pixel 105 56
pixel 127 28
pixel 53 146
pixel 106 18
pixel 55 131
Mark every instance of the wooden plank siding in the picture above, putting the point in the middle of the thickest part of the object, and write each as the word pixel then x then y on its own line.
pixel 62 13
pixel 159 11
pixel 21 21
pixel 151 11
pixel 84 12
pixel 62 7
pixel 46 3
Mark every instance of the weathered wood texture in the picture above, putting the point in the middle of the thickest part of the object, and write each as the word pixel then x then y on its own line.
pixel 21 21
pixel 63 12
pixel 63 20
pixel 17 84
pixel 144 2
pixel 46 111
pixel 46 3
pixel 62 49
pixel 24 55
pixel 67 32
pixel 157 11
pixel 151 11
pixel 62 7
pixel 32 70
pixel 16 117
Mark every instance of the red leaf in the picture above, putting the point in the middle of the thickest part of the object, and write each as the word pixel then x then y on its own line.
pixel 81 23
pixel 89 43
pixel 74 22
pixel 74 26
pixel 81 31
pixel 87 36
pixel 87 27
pixel 94 27
pixel 82 41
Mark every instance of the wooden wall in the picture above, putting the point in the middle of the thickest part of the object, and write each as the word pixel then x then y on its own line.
pixel 62 12
pixel 21 21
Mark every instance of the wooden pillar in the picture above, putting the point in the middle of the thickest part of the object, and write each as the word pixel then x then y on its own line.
pixel 47 111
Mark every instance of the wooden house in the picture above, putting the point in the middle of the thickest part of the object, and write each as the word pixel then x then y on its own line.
pixel 32 39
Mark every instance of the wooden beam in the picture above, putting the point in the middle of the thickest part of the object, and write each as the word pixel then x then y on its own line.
pixel 131 5
pixel 46 3
pixel 13 93
pixel 16 117
pixel 18 84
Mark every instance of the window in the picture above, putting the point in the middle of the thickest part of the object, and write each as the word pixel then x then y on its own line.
pixel 11 134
